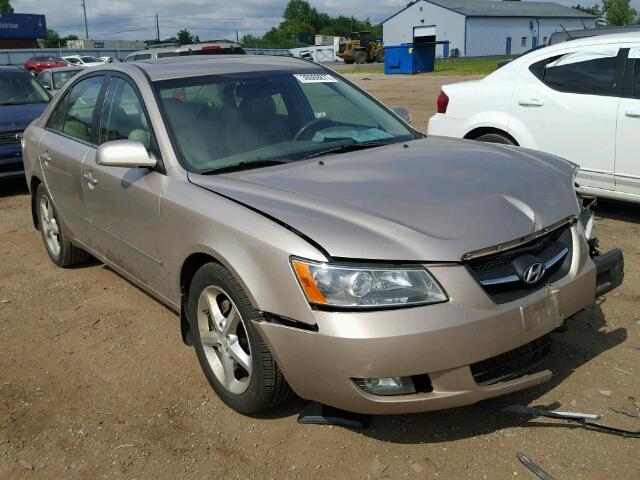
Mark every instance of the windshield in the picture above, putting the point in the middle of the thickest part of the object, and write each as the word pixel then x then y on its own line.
pixel 239 120
pixel 20 90
pixel 62 77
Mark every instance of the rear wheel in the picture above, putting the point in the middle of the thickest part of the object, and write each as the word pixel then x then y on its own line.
pixel 231 351
pixel 360 57
pixel 495 138
pixel 57 240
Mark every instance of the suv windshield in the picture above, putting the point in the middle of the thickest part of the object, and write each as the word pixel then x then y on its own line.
pixel 223 122
pixel 21 89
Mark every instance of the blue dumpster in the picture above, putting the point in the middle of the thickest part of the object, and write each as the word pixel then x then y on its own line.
pixel 409 58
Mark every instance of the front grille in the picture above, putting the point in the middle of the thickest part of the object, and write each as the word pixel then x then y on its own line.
pixel 9 138
pixel 513 364
pixel 501 276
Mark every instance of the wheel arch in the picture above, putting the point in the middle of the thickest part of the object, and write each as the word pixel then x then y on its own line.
pixel 33 187
pixel 479 131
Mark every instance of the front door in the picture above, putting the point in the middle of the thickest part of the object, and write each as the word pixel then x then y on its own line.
pixel 627 138
pixel 568 104
pixel 508 51
pixel 66 143
pixel 123 203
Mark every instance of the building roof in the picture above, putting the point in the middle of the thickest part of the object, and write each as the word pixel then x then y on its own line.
pixel 497 8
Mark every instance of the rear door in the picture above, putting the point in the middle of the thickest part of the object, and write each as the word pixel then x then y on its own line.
pixel 628 134
pixel 123 204
pixel 568 102
pixel 67 142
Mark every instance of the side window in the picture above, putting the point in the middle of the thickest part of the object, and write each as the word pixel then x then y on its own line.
pixel 144 56
pixel 590 72
pixel 73 115
pixel 122 116
pixel 45 79
pixel 636 79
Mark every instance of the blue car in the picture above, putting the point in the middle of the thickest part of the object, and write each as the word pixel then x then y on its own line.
pixel 22 100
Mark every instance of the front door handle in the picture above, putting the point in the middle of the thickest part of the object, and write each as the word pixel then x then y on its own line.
pixel 633 113
pixel 91 180
pixel 530 102
pixel 45 157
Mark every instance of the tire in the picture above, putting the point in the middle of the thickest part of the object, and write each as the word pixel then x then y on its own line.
pixel 380 56
pixel 226 341
pixel 360 57
pixel 55 236
pixel 349 62
pixel 495 138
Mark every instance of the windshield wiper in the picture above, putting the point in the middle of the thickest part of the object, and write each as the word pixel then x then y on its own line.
pixel 236 167
pixel 350 147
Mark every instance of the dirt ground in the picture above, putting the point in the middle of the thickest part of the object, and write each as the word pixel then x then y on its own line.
pixel 96 383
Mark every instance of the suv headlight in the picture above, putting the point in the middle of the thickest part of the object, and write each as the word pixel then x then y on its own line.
pixel 366 287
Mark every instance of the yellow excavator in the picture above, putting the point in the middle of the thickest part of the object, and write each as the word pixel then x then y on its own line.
pixel 359 48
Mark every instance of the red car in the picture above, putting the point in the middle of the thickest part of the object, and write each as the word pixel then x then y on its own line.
pixel 37 64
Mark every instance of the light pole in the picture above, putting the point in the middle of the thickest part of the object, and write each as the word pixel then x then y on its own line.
pixel 86 26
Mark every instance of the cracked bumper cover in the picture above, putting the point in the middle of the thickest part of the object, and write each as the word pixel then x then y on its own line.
pixel 440 340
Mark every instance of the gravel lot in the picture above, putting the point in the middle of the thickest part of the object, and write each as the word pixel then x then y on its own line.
pixel 96 383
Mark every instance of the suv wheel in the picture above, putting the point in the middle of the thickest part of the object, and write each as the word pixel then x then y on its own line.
pixel 495 138
pixel 57 241
pixel 231 351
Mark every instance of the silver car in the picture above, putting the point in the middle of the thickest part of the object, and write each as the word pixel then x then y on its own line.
pixel 309 238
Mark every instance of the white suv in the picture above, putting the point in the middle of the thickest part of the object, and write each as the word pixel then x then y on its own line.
pixel 578 100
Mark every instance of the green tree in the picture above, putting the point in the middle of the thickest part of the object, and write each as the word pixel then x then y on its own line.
pixel 185 37
pixel 596 10
pixel 53 40
pixel 619 12
pixel 5 6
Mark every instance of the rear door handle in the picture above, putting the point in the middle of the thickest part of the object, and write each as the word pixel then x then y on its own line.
pixel 45 157
pixel 633 113
pixel 530 102
pixel 91 180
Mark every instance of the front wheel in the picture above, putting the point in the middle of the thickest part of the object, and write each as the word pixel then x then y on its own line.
pixel 495 138
pixel 231 351
pixel 360 57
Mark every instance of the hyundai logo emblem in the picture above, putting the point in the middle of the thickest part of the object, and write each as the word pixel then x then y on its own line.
pixel 534 273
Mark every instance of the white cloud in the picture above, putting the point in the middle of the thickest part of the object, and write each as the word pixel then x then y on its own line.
pixel 135 19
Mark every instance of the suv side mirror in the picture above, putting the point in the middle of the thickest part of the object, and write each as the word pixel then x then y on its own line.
pixel 403 113
pixel 124 153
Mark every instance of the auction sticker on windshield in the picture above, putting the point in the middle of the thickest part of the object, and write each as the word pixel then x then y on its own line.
pixel 315 78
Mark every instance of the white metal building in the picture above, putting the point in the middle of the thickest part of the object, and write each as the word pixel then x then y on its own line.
pixel 482 27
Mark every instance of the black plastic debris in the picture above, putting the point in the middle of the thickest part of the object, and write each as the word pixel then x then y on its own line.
pixel 315 413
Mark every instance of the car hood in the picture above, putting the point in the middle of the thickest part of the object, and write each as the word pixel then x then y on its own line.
pixel 428 200
pixel 18 117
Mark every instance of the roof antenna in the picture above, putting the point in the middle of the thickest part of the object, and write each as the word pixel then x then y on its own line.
pixel 566 31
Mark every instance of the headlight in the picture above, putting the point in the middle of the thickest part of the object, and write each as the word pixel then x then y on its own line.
pixel 366 287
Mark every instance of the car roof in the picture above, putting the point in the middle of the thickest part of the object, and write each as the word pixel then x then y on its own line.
pixel 64 69
pixel 197 65
pixel 598 40
pixel 11 69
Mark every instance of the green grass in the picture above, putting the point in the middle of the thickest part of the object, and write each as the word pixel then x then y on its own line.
pixel 448 66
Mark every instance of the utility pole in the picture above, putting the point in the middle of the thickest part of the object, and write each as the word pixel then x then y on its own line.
pixel 237 36
pixel 86 26
pixel 157 28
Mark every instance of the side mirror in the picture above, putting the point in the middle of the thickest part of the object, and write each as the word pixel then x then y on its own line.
pixel 124 153
pixel 403 113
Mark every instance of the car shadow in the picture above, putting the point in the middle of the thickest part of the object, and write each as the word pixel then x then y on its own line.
pixel 13 186
pixel 584 340
pixel 611 209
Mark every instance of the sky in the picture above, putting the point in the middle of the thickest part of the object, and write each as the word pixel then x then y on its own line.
pixel 209 19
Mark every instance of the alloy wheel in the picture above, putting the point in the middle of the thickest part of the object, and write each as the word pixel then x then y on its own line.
pixel 49 226
pixel 224 339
